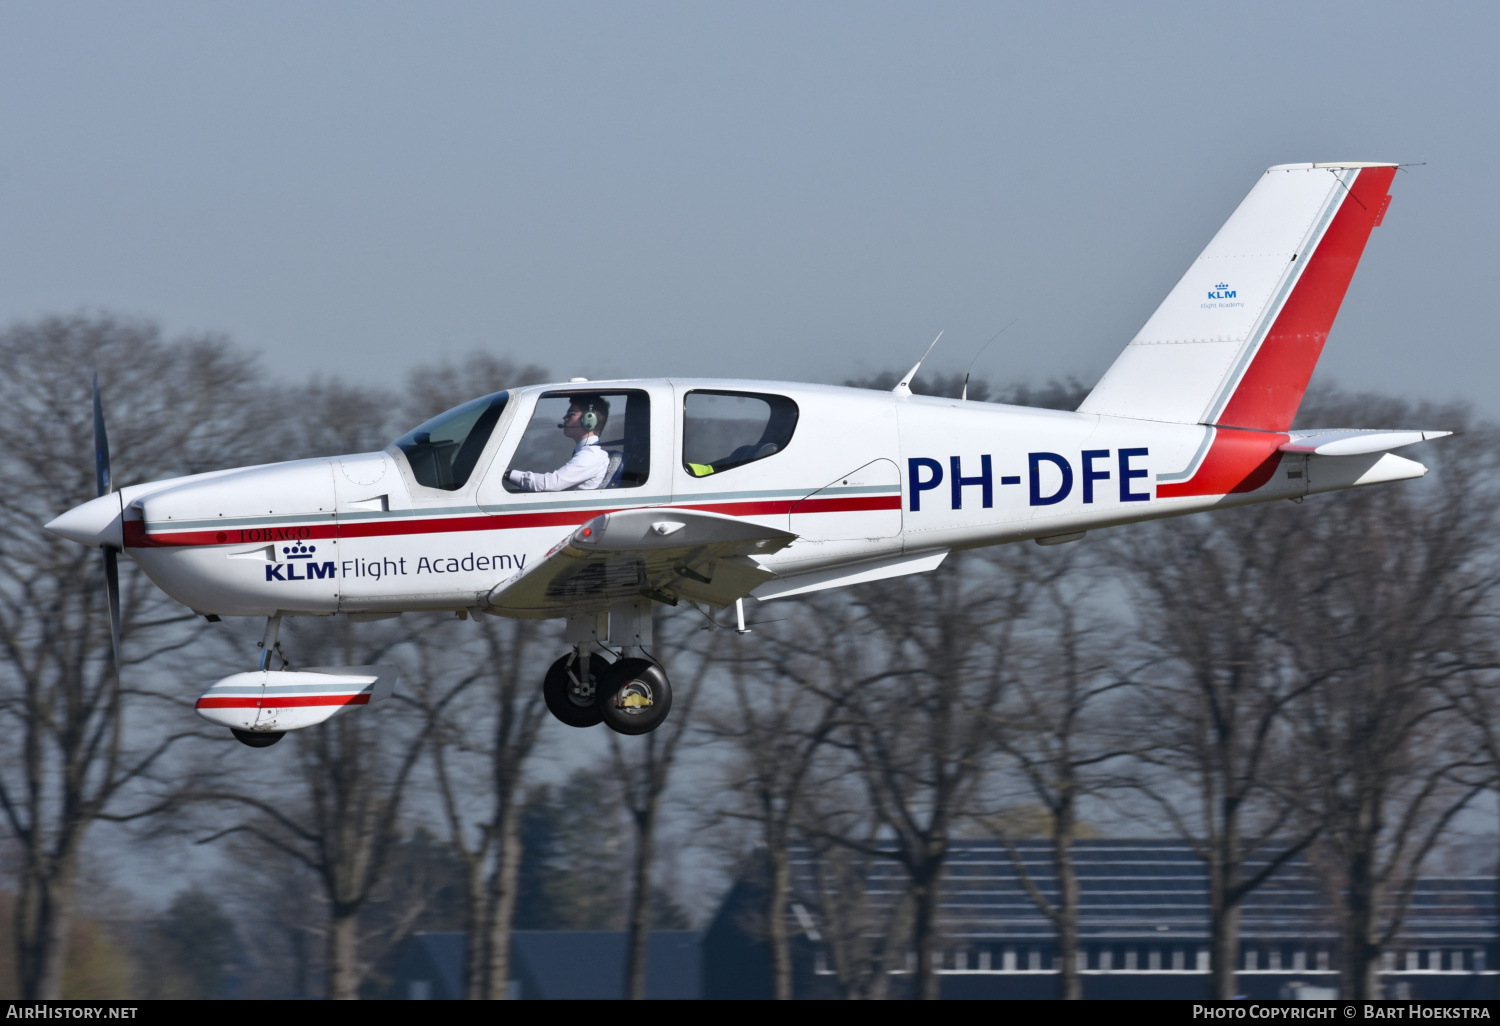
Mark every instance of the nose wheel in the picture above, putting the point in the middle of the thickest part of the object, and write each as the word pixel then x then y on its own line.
pixel 257 738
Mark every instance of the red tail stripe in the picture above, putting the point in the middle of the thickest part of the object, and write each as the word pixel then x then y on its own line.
pixel 1268 395
pixel 1237 462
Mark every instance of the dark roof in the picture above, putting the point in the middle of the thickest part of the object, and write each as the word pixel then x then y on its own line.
pixel 585 964
pixel 1135 889
pixel 443 954
pixel 577 964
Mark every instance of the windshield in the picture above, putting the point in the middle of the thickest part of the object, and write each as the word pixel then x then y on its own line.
pixel 442 452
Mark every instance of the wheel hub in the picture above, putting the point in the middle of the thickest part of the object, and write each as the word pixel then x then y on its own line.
pixel 634 698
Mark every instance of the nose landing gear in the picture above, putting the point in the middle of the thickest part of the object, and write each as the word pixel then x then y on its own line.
pixel 268 644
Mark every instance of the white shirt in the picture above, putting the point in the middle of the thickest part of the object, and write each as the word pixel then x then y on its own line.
pixel 587 469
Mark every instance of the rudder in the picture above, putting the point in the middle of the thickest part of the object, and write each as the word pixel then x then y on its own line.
pixel 1235 342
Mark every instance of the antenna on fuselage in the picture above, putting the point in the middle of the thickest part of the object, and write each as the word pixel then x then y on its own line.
pixel 903 387
pixel 977 355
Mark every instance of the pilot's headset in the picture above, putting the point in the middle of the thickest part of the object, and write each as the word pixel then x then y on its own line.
pixel 590 418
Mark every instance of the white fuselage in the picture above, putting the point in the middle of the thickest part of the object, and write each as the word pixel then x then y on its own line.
pixel 866 476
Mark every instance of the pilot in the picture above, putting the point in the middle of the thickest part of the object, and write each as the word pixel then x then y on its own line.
pixel 589 467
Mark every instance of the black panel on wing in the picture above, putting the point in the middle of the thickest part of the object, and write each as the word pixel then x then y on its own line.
pixel 664 553
pixel 590 580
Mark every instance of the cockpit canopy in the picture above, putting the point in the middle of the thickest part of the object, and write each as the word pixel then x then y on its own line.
pixel 443 451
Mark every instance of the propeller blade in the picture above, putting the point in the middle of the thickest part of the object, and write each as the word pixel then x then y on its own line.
pixel 111 555
pixel 112 591
pixel 101 445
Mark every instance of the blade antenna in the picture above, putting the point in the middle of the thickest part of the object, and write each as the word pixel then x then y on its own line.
pixel 903 387
pixel 977 355
pixel 102 486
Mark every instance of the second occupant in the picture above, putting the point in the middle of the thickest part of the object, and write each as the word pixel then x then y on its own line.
pixel 589 466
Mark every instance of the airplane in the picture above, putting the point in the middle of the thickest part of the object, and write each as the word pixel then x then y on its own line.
pixel 719 490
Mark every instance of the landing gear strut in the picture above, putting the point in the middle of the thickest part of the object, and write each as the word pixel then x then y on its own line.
pixel 630 695
pixel 268 644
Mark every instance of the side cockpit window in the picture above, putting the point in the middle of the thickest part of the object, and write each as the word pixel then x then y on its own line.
pixel 584 441
pixel 443 451
pixel 724 430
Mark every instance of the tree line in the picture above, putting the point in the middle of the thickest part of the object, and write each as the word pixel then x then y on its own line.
pixel 1289 681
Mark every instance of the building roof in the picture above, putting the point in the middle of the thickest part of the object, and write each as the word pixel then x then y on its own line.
pixel 1157 889
pixel 590 964
pixel 574 964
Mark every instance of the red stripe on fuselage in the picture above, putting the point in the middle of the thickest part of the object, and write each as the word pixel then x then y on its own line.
pixel 136 536
pixel 1237 462
pixel 282 702
pixel 1268 395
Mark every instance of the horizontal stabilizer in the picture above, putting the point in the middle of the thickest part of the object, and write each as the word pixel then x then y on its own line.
pixel 1355 442
pixel 1335 473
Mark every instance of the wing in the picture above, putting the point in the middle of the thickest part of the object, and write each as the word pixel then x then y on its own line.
pixel 663 553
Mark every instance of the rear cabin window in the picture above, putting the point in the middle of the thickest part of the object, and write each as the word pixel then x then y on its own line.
pixel 623 429
pixel 724 430
pixel 443 451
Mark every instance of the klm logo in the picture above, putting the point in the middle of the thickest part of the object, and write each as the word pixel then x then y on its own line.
pixel 1222 291
pixel 316 569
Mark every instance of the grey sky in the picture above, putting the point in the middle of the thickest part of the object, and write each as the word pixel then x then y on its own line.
pixel 802 191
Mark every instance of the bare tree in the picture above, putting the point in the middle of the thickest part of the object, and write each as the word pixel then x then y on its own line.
pixel 922 733
pixel 1475 696
pixel 1390 630
pixel 172 408
pixel 496 721
pixel 337 811
pixel 497 674
pixel 780 714
pixel 1055 725
pixel 1215 690
pixel 433 388
pixel 643 770
pixel 864 932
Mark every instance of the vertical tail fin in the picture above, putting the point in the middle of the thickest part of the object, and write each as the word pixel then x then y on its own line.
pixel 1235 342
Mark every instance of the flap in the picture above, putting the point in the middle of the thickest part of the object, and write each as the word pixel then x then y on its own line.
pixel 663 553
pixel 857 573
pixel 1355 441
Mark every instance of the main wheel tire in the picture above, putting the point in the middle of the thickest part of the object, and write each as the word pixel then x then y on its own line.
pixel 634 696
pixel 258 738
pixel 557 689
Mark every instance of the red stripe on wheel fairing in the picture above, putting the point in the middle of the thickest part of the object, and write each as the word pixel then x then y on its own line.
pixel 1268 395
pixel 136 536
pixel 282 701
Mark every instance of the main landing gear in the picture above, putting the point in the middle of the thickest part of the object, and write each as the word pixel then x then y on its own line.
pixel 630 695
